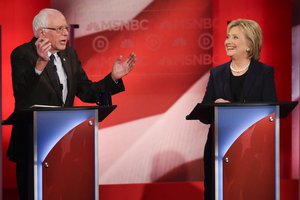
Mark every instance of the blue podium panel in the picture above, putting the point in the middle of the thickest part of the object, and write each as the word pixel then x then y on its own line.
pixel 54 130
pixel 247 145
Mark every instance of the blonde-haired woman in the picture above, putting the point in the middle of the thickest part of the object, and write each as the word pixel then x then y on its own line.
pixel 242 79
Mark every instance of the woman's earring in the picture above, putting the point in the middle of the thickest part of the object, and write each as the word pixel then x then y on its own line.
pixel 248 50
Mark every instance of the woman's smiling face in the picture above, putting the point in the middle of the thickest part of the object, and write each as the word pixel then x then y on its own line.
pixel 236 44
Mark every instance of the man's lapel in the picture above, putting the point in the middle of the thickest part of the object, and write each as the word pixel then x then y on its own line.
pixel 52 76
pixel 65 60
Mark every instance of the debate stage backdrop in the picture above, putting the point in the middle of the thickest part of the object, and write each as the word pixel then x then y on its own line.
pixel 173 44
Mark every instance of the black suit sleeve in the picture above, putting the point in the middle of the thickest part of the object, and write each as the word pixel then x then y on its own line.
pixel 88 91
pixel 269 89
pixel 24 78
pixel 209 96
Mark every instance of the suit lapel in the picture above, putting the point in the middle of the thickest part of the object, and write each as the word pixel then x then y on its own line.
pixel 226 81
pixel 50 72
pixel 67 67
pixel 250 79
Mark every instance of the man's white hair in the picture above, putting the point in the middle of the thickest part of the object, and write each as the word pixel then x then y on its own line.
pixel 41 19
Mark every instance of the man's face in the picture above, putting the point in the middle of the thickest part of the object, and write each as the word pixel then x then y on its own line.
pixel 57 32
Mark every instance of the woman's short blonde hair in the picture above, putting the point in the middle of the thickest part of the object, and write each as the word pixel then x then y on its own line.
pixel 253 35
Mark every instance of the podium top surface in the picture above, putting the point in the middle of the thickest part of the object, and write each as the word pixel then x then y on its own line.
pixel 57 108
pixel 103 111
pixel 206 111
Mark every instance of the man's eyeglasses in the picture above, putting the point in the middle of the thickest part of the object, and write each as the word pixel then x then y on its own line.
pixel 58 29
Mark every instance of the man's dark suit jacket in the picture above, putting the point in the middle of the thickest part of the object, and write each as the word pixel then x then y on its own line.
pixel 259 85
pixel 31 89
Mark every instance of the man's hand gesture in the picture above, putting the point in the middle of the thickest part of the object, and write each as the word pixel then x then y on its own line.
pixel 122 68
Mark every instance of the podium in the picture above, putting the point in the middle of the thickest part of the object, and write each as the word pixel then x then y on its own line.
pixel 65 151
pixel 246 147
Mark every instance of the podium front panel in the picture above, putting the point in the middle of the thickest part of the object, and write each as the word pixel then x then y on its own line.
pixel 247 152
pixel 65 154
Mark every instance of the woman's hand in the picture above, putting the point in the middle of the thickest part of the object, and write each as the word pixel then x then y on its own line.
pixel 221 101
